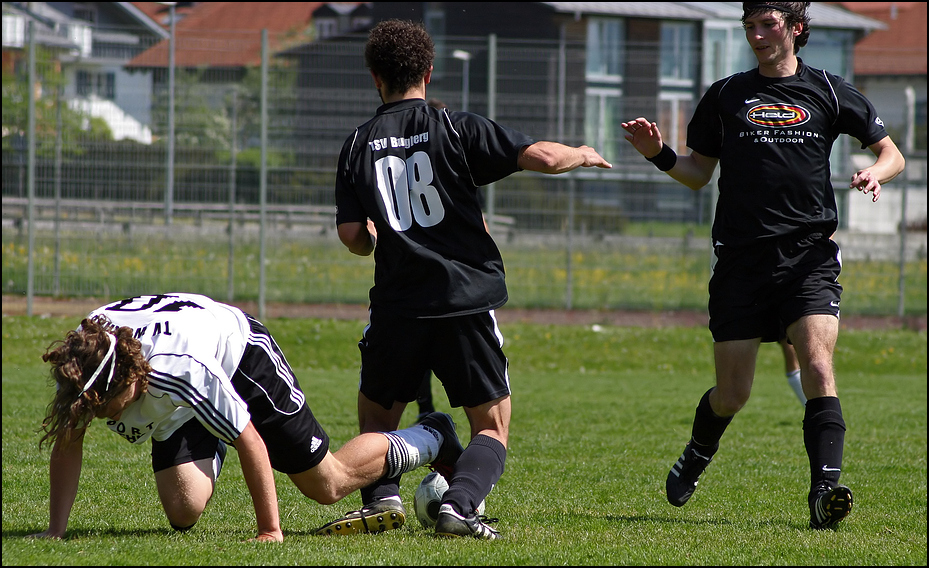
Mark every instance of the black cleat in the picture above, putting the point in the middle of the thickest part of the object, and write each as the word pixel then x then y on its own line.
pixel 829 506
pixel 451 524
pixel 682 479
pixel 383 515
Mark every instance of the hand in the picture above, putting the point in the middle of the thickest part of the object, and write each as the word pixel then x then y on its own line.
pixel 47 534
pixel 865 182
pixel 270 536
pixel 592 158
pixel 644 136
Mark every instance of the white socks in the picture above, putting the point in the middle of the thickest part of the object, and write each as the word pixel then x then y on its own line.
pixel 411 448
pixel 793 379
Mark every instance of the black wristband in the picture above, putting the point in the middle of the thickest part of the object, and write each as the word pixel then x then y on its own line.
pixel 665 159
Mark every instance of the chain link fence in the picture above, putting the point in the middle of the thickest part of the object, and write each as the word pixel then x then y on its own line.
pixel 218 179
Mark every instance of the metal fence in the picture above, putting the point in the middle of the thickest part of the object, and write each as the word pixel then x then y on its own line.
pixel 219 180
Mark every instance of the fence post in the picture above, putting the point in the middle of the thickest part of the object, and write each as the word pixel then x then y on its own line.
pixel 56 289
pixel 491 113
pixel 232 166
pixel 572 183
pixel 263 180
pixel 169 170
pixel 30 167
pixel 908 143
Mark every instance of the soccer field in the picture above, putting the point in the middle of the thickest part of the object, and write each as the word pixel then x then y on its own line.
pixel 599 416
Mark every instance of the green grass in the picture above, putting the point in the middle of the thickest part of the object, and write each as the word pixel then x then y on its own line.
pixel 317 270
pixel 598 419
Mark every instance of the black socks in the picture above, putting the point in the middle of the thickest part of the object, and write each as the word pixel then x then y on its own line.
pixel 476 472
pixel 824 438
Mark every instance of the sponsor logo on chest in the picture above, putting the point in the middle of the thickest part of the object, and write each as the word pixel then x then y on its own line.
pixel 777 115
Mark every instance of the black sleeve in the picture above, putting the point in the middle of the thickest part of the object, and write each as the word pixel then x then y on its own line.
pixel 705 131
pixel 492 150
pixel 348 206
pixel 857 116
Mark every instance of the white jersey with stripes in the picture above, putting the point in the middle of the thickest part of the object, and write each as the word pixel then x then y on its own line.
pixel 194 345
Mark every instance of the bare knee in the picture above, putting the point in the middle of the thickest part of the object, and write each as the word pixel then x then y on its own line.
pixel 184 491
pixel 728 403
pixel 321 483
pixel 322 495
pixel 183 516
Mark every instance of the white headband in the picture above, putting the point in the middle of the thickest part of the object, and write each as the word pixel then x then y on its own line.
pixel 110 353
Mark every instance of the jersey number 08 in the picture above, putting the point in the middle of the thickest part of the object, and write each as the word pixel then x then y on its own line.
pixel 405 189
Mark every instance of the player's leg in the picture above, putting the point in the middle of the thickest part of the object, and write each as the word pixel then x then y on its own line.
pixel 424 397
pixel 792 369
pixel 372 456
pixel 823 424
pixel 373 417
pixel 482 462
pixel 475 378
pixel 382 507
pixel 735 369
pixel 186 467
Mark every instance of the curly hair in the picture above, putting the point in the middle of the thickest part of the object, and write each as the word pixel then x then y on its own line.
pixel 400 53
pixel 794 13
pixel 73 360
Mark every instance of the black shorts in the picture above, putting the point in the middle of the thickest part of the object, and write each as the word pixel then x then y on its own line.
pixel 464 352
pixel 759 290
pixel 189 443
pixel 295 441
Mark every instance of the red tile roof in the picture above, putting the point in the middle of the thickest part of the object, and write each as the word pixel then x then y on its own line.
pixel 228 34
pixel 898 50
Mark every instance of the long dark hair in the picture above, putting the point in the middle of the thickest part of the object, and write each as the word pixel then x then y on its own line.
pixel 74 360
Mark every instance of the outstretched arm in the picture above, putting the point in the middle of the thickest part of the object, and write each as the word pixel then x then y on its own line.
pixel 64 473
pixel 694 170
pixel 554 158
pixel 256 468
pixel 889 164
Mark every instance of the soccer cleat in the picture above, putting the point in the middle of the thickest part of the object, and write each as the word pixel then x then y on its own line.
pixel 382 515
pixel 451 524
pixel 829 506
pixel 450 450
pixel 682 479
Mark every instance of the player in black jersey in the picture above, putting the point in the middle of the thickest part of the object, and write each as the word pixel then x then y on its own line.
pixel 408 180
pixel 775 269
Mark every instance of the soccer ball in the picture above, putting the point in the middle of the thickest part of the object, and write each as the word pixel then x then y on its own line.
pixel 428 499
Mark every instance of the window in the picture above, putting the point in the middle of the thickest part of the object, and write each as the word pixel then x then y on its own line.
pixel 85 13
pixel 674 113
pixel 725 52
pixel 678 53
pixel 101 85
pixel 919 141
pixel 14 31
pixel 325 27
pixel 605 39
pixel 602 115
pixel 829 49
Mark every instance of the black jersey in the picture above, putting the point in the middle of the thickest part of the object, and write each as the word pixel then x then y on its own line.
pixel 415 171
pixel 773 138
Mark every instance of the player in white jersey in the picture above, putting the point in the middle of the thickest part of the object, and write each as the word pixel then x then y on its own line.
pixel 193 375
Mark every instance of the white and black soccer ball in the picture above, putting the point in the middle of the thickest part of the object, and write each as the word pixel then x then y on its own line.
pixel 428 499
